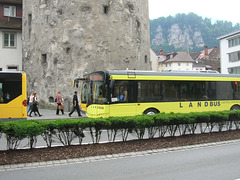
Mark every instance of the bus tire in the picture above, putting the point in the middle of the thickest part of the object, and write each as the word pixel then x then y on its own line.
pixel 235 107
pixel 151 111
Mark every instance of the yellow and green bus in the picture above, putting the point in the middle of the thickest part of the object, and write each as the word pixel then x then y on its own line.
pixel 129 93
pixel 13 95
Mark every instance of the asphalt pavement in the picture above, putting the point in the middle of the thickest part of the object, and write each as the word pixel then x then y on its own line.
pixel 51 115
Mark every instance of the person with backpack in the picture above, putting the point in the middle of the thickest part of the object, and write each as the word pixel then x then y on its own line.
pixel 59 102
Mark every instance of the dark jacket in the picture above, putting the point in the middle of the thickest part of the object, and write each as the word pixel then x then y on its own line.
pixel 75 98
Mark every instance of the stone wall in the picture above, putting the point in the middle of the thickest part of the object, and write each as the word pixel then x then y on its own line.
pixel 63 40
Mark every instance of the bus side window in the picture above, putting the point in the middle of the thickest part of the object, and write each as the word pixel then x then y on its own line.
pixel 1 93
pixel 120 92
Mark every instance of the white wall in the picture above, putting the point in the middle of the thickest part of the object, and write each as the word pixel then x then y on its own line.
pixel 11 56
pixel 183 66
pixel 199 68
pixel 153 60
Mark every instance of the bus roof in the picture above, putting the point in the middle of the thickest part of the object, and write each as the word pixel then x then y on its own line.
pixel 173 73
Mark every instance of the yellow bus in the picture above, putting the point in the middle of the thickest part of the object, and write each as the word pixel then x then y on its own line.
pixel 13 95
pixel 129 93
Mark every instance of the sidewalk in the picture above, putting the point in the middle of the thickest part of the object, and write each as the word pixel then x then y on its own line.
pixel 51 115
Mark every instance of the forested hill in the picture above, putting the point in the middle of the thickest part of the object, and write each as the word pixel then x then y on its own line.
pixel 187 32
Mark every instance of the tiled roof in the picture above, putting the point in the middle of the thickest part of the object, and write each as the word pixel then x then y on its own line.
pixel 214 54
pixel 195 55
pixel 202 55
pixel 212 64
pixel 181 57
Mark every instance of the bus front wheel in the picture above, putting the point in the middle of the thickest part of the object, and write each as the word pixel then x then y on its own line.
pixel 235 107
pixel 151 112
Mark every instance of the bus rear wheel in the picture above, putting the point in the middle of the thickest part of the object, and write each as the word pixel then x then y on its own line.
pixel 151 112
pixel 235 107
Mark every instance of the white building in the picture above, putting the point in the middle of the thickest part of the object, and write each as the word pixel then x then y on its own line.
pixel 10 35
pixel 230 53
pixel 11 57
pixel 175 61
pixel 153 60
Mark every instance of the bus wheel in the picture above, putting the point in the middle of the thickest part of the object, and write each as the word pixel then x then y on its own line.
pixel 151 112
pixel 235 107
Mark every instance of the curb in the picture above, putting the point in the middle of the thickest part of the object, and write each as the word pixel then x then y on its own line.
pixel 64 162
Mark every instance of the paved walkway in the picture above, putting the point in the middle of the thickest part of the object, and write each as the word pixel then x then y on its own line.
pixel 51 115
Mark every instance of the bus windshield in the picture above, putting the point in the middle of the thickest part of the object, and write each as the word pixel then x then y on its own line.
pixel 94 92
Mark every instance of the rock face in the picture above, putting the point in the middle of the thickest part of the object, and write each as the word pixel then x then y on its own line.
pixel 180 37
pixel 63 40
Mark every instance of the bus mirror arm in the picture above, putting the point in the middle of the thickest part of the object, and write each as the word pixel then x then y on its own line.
pixel 111 85
pixel 76 81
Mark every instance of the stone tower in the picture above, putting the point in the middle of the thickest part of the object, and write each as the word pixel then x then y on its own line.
pixel 63 39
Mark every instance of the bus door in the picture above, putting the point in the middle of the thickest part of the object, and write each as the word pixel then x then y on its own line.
pixel 122 99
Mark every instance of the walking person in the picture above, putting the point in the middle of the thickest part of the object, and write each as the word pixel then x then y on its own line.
pixel 35 105
pixel 30 104
pixel 75 105
pixel 59 102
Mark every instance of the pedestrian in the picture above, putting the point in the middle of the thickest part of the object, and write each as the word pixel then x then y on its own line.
pixel 30 104
pixel 35 105
pixel 59 102
pixel 75 105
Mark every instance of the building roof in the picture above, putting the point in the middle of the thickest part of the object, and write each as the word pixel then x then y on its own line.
pixel 229 35
pixel 11 1
pixel 180 57
pixel 213 54
pixel 195 55
pixel 10 25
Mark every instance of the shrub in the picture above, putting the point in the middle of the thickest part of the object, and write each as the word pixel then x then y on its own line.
pixel 17 130
pixel 65 128
pixel 49 130
pixel 96 125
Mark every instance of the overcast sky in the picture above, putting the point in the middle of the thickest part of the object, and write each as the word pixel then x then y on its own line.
pixel 228 10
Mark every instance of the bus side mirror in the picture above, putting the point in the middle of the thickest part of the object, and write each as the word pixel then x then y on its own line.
pixel 112 82
pixel 75 83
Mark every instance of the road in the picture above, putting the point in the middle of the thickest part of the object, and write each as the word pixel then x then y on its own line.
pixel 220 162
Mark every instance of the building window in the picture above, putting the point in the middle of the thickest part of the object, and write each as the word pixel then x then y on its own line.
pixel 234 57
pixel 234 70
pixel 9 39
pixel 0 69
pixel 138 25
pixel 10 11
pixel 29 24
pixel 146 59
pixel 105 9
pixel 187 64
pixel 179 64
pixel 12 68
pixel 234 42
pixel 44 58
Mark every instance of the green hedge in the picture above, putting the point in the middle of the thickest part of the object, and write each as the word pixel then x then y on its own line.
pixel 66 130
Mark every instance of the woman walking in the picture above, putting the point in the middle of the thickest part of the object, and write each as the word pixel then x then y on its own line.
pixel 35 105
pixel 59 102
